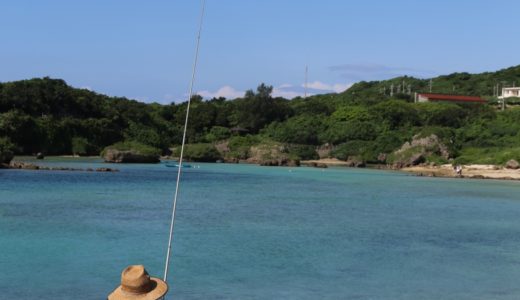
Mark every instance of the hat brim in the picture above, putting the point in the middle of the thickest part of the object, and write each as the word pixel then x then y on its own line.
pixel 160 288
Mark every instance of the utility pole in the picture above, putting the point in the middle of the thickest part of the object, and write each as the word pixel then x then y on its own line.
pixel 431 85
pixel 392 90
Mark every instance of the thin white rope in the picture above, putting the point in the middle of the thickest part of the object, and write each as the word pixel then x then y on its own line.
pixel 172 223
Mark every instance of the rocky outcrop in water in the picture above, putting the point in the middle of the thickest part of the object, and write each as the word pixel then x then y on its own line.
pixel 29 166
pixel 128 156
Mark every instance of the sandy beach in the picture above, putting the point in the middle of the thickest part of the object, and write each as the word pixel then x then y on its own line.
pixel 333 162
pixel 468 171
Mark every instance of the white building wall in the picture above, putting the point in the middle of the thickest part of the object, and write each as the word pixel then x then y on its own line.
pixel 421 98
pixel 510 92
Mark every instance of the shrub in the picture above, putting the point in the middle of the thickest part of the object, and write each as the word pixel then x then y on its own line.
pixel 217 133
pixel 303 152
pixel 80 146
pixel 6 150
pixel 490 155
pixel 363 149
pixel 389 141
pixel 199 152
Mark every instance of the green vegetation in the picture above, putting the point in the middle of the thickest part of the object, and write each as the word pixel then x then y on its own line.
pixel 46 115
pixel 199 152
pixel 6 150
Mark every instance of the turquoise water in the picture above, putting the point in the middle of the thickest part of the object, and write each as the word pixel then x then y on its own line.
pixel 248 232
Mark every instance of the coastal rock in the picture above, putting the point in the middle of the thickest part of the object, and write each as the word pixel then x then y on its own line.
pixel 231 160
pixel 417 150
pixel 222 147
pixel 355 162
pixel 40 155
pixel 324 151
pixel 416 159
pixel 106 170
pixel 128 156
pixel 317 165
pixel 6 157
pixel 282 162
pixel 271 155
pixel 512 164
pixel 29 166
pixel 23 165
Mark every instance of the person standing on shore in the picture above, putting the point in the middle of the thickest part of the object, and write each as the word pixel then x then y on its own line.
pixel 458 170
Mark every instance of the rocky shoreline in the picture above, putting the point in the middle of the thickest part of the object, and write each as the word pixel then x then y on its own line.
pixel 468 171
pixel 30 166
pixel 511 171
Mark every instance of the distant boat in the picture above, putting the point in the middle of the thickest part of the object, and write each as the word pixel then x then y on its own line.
pixel 176 165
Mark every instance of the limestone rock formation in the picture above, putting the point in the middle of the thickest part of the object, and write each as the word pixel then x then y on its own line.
pixel 512 164
pixel 417 150
pixel 128 156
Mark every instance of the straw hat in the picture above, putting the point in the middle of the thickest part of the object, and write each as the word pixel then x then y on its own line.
pixel 137 284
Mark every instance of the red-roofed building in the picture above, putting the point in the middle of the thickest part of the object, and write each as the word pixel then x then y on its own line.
pixel 424 97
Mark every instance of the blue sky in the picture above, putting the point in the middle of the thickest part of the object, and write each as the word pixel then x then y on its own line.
pixel 144 49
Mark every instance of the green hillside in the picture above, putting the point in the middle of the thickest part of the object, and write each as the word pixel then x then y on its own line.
pixel 47 115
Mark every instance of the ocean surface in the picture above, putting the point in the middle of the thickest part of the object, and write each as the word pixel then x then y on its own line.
pixel 249 232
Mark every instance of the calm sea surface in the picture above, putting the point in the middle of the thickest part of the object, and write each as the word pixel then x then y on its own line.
pixel 248 232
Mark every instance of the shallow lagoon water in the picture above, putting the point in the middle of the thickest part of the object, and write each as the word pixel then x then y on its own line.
pixel 248 232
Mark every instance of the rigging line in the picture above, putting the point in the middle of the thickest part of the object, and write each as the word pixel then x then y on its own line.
pixel 172 223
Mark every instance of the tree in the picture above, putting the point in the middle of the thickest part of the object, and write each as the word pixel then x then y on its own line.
pixel 6 150
pixel 302 129
pixel 256 111
pixel 395 113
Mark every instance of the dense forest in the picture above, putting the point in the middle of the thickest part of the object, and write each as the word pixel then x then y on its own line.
pixel 369 119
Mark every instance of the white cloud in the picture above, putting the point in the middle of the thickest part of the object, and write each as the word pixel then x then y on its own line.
pixel 277 92
pixel 285 86
pixel 225 91
pixel 318 85
pixel 337 88
pixel 341 87
pixel 285 90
